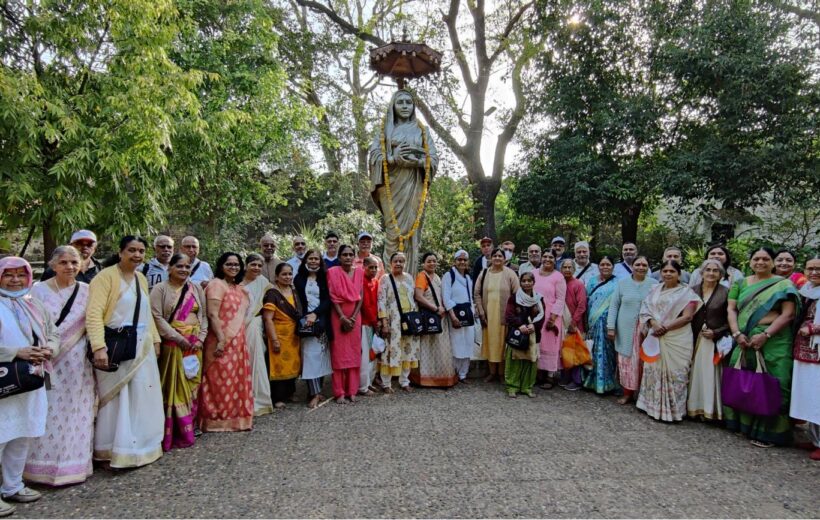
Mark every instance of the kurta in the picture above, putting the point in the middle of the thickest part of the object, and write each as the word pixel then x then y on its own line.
pixel 63 454
pixel 492 291
pixel 226 396
pixel 345 291
pixel 576 302
pixel 521 366
pixel 288 362
pixel 805 404
pixel 315 350
pixel 435 351
pixel 601 378
pixel 704 379
pixel 401 352
pixel 553 288
pixel 624 308
pixel 458 288
pixel 255 343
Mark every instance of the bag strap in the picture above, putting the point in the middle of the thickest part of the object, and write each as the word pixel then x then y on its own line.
pixel 179 302
pixel 483 276
pixel 584 270
pixel 139 300
pixel 145 269
pixel 432 290
pixel 67 307
pixel 193 271
pixel 396 292
pixel 467 281
pixel 601 285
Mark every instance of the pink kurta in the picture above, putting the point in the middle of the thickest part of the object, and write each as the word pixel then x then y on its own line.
pixel 346 347
pixel 554 289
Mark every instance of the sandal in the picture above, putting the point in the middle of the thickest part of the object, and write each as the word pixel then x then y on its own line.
pixel 762 444
pixel 546 386
pixel 367 393
pixel 314 401
pixel 490 378
pixel 389 390
pixel 408 389
pixel 341 400
pixel 511 394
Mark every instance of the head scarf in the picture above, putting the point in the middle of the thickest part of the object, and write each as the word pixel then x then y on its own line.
pixel 525 300
pixel 28 316
pixel 15 262
pixel 390 117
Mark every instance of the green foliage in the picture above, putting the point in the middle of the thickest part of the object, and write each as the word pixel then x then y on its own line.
pixel 448 219
pixel 348 224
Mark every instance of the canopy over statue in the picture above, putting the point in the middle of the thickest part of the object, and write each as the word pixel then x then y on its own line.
pixel 402 161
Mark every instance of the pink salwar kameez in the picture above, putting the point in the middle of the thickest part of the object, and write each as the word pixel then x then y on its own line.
pixel 346 346
pixel 553 288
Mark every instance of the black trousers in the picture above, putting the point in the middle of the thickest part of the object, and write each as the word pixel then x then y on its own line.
pixel 282 391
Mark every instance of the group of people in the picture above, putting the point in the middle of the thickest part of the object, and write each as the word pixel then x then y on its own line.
pixel 140 357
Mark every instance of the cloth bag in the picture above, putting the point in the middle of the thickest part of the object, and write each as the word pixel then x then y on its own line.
pixel 751 391
pixel 574 351
pixel 190 364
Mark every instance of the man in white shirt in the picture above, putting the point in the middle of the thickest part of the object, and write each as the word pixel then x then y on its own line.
pixel 201 272
pixel 533 262
pixel 584 269
pixel 299 248
pixel 629 252
pixel 156 270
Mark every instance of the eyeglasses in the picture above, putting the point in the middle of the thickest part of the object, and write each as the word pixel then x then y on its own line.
pixel 813 269
pixel 83 243
pixel 164 246
pixel 299 244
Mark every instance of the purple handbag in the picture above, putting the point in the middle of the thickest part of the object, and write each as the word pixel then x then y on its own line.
pixel 754 392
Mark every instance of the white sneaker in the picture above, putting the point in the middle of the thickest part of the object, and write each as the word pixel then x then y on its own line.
pixel 6 509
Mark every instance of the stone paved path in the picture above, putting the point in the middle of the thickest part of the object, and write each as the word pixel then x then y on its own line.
pixel 469 451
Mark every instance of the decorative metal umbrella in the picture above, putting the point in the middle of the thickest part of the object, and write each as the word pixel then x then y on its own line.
pixel 405 60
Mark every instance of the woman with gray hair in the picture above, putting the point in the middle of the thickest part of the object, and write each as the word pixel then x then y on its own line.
pixel 458 301
pixel 709 325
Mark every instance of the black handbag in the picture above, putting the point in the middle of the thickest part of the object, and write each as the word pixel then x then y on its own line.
pixel 18 377
pixel 121 343
pixel 517 339
pixel 310 331
pixel 411 322
pixel 432 321
pixel 464 311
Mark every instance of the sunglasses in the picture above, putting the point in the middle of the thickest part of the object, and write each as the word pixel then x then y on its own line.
pixel 299 244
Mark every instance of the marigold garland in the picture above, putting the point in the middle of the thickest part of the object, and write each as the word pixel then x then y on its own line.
pixel 392 214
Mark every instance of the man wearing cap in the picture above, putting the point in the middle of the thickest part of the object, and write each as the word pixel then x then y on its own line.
pixel 533 262
pixel 584 268
pixel 331 257
pixel 299 249
pixel 559 248
pixel 268 247
pixel 483 261
pixel 200 271
pixel 156 270
pixel 365 243
pixel 85 242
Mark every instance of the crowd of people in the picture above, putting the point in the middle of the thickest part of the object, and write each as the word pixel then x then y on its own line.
pixel 124 362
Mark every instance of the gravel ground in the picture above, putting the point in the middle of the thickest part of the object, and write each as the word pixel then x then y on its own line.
pixel 465 452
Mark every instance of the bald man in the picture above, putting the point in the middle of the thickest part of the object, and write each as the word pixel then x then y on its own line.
pixel 200 271
pixel 268 247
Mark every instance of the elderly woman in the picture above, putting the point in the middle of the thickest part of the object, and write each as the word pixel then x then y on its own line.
pixel 805 405
pixel 226 397
pixel 130 421
pixel 784 265
pixel 761 309
pixel 178 306
pixel 722 255
pixel 494 286
pixel 525 311
pixel 457 293
pixel 667 351
pixel 550 284
pixel 27 335
pixel 396 291
pixel 63 455
pixel 601 377
pixel 709 325
pixel 575 308
pixel 435 351
pixel 281 313
pixel 256 285
pixel 622 324
pixel 311 287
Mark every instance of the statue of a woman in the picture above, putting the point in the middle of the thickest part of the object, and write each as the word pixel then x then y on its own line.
pixel 404 149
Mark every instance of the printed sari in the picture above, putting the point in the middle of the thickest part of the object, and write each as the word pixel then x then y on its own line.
pixel 753 303
pixel 601 378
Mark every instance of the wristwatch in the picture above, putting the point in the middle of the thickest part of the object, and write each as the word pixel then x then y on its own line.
pixel 736 334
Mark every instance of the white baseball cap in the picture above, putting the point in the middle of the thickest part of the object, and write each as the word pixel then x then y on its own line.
pixel 83 234
pixel 364 234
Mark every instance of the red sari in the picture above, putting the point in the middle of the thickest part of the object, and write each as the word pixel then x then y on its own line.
pixel 226 394
pixel 346 347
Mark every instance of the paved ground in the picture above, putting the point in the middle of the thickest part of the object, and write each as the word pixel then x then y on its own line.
pixel 469 451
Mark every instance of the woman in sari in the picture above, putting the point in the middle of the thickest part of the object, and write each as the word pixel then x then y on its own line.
pixel 256 286
pixel 63 455
pixel 493 289
pixel 401 352
pixel 404 154
pixel 709 326
pixel 345 284
pixel 435 350
pixel 226 395
pixel 552 287
pixel 784 265
pixel 311 287
pixel 601 377
pixel 575 308
pixel 622 325
pixel 26 334
pixel 761 309
pixel 805 405
pixel 667 350
pixel 281 313
pixel 130 421
pixel 524 311
pixel 178 307
pixel 457 289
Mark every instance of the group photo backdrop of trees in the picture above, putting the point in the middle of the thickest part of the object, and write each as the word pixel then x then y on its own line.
pixel 658 121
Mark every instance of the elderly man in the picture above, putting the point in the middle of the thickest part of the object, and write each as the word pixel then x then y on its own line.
pixel 331 257
pixel 673 253
pixel 483 261
pixel 268 246
pixel 584 269
pixel 365 243
pixel 533 262
pixel 156 270
pixel 85 242
pixel 200 271
pixel 559 249
pixel 299 249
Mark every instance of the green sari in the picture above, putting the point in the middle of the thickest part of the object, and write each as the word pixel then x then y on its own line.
pixel 753 303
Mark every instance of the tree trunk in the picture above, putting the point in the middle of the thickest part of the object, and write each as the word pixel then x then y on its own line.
pixel 629 222
pixel 49 240
pixel 485 192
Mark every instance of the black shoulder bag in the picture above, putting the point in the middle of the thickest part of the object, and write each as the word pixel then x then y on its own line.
pixel 464 311
pixel 67 307
pixel 432 321
pixel 18 377
pixel 411 322
pixel 121 343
